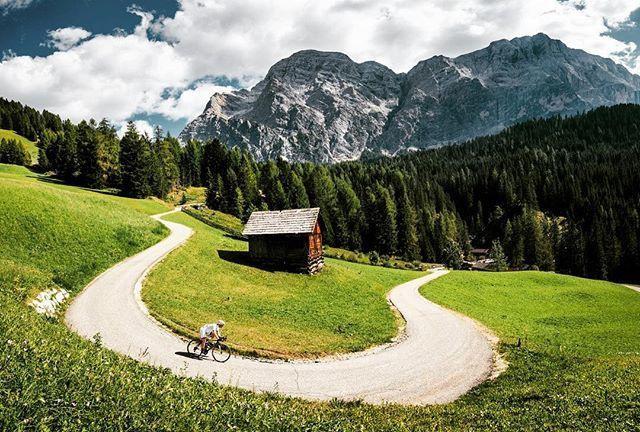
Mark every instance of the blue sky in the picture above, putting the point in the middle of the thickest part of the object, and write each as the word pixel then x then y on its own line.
pixel 158 62
pixel 24 31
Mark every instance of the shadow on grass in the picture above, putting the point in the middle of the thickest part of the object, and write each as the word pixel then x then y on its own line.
pixel 243 258
pixel 53 180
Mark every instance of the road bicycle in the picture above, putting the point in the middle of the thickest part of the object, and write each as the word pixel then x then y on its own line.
pixel 219 350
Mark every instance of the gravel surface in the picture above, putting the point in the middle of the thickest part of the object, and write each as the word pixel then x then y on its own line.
pixel 441 356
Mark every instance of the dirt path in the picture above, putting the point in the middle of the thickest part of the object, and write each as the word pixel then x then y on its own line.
pixel 442 356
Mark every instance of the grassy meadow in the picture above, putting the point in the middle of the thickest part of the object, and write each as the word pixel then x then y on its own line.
pixel 274 314
pixel 53 380
pixel 29 145
pixel 545 310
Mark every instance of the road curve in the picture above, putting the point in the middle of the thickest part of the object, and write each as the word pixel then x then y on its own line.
pixel 441 357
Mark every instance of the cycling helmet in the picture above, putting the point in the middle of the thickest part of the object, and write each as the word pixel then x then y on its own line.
pixel 221 323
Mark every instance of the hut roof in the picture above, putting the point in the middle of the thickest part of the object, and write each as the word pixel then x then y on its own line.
pixel 299 221
pixel 480 251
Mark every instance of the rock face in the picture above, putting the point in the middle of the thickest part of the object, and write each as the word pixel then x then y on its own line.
pixel 323 107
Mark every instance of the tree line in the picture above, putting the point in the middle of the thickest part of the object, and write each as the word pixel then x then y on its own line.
pixel 556 194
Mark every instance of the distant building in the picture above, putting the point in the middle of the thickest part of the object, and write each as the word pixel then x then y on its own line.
pixel 287 239
pixel 479 260
pixel 480 254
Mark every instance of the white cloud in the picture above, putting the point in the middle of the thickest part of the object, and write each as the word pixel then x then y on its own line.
pixel 159 68
pixel 67 37
pixel 7 5
pixel 143 127
pixel 189 103
pixel 244 37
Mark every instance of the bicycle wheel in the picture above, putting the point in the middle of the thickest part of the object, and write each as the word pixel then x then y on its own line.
pixel 193 348
pixel 220 352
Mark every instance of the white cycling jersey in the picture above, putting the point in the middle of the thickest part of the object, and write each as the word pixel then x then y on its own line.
pixel 209 330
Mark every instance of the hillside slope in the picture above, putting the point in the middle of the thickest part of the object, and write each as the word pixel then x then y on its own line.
pixel 324 107
pixel 29 145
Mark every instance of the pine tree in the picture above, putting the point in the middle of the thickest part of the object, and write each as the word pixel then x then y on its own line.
pixel 386 228
pixel 190 161
pixel 272 188
pixel 134 164
pixel 452 255
pixel 248 181
pixel 108 154
pixel 297 193
pixel 498 256
pixel 407 233
pixel 352 213
pixel 215 192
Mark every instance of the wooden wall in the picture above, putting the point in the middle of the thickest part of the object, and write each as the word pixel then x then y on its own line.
pixel 302 252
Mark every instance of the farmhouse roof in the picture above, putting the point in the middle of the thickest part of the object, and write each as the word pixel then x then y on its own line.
pixel 298 221
pixel 480 251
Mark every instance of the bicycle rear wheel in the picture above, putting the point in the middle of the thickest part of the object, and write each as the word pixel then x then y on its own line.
pixel 221 353
pixel 193 348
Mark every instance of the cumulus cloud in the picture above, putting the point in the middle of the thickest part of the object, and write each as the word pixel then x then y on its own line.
pixel 160 67
pixel 244 37
pixel 67 37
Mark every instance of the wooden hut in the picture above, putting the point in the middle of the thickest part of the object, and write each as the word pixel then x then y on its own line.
pixel 287 239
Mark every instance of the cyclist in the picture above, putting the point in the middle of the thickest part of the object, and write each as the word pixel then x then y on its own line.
pixel 210 331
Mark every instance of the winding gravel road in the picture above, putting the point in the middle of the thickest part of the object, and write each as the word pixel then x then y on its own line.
pixel 441 357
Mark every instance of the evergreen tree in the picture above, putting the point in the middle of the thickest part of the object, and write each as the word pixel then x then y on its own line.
pixel 386 239
pixel 297 193
pixel 272 188
pixel 190 161
pixel 498 256
pixel 134 164
pixel 352 213
pixel 407 232
pixel 248 182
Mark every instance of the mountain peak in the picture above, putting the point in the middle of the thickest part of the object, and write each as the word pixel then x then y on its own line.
pixel 324 107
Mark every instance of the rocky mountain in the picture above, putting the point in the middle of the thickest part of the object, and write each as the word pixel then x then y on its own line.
pixel 324 107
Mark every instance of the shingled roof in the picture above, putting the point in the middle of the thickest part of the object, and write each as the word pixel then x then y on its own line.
pixel 299 221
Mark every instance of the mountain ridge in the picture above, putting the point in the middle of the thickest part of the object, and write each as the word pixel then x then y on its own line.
pixel 323 107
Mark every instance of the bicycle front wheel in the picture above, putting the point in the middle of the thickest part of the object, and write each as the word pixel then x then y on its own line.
pixel 221 353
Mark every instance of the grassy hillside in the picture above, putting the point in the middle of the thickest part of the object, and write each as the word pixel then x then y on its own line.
pixel 274 313
pixel 51 379
pixel 29 145
pixel 65 235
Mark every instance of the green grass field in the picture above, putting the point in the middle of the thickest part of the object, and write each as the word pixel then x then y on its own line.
pixel 29 145
pixel 276 314
pixel 53 380
pixel 547 311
